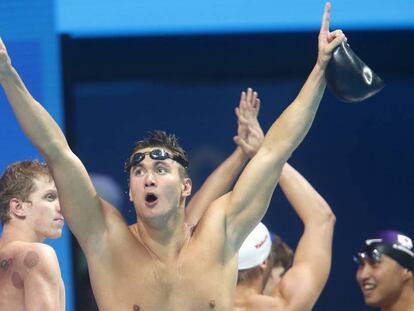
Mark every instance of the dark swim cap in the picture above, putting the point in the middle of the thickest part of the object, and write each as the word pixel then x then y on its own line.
pixel 393 244
pixel 349 78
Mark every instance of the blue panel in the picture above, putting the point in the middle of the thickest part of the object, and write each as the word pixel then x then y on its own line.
pixel 26 58
pixel 129 17
pixel 27 27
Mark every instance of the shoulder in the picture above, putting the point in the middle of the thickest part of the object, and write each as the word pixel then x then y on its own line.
pixel 29 260
pixel 22 249
pixel 210 230
pixel 112 215
pixel 39 258
pixel 213 220
pixel 40 249
pixel 216 212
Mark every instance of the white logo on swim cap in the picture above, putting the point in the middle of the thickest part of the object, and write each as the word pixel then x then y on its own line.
pixel 370 241
pixel 255 248
pixel 405 241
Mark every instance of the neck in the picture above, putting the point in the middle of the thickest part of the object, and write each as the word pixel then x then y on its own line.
pixel 13 232
pixel 405 301
pixel 163 240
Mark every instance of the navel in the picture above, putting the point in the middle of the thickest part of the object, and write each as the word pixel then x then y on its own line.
pixel 212 304
pixel 136 308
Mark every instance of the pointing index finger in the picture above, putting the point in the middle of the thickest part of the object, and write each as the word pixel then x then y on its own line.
pixel 326 18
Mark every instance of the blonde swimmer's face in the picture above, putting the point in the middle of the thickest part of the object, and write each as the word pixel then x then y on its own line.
pixel 43 211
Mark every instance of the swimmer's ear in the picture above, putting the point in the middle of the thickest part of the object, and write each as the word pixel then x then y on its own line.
pixel 129 195
pixel 407 274
pixel 349 78
pixel 265 263
pixel 187 186
pixel 16 208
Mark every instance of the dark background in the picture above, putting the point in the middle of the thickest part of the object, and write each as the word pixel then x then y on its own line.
pixel 358 156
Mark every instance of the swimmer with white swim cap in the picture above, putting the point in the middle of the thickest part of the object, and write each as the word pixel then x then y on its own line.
pixel 300 286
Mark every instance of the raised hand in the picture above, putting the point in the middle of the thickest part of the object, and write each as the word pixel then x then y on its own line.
pixel 328 41
pixel 249 138
pixel 249 133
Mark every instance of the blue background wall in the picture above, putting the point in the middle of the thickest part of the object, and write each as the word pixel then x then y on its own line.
pixel 130 66
pixel 149 17
pixel 28 29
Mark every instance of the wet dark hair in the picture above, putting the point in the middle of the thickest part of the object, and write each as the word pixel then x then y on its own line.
pixel 162 140
pixel 17 182
pixel 248 275
pixel 282 254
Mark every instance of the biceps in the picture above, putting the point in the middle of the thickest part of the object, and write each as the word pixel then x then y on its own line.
pixel 79 200
pixel 301 287
pixel 42 294
pixel 315 247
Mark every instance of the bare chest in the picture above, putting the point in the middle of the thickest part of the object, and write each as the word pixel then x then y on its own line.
pixel 191 283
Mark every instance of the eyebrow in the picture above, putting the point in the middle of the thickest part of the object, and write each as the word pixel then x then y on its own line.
pixel 154 163
pixel 48 191
pixel 163 162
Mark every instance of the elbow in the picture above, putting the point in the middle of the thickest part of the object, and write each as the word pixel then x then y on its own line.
pixel 327 215
pixel 275 156
pixel 322 214
pixel 331 217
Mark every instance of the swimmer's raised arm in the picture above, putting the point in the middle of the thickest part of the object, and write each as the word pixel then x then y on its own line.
pixel 249 139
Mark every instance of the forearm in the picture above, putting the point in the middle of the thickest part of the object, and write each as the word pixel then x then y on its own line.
pixel 291 127
pixel 217 184
pixel 221 180
pixel 314 87
pixel 310 206
pixel 33 118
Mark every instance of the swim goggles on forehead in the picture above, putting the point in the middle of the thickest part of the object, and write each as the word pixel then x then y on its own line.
pixel 155 154
pixel 372 257
pixel 372 254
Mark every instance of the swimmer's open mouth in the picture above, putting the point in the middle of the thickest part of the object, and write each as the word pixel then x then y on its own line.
pixel 150 198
